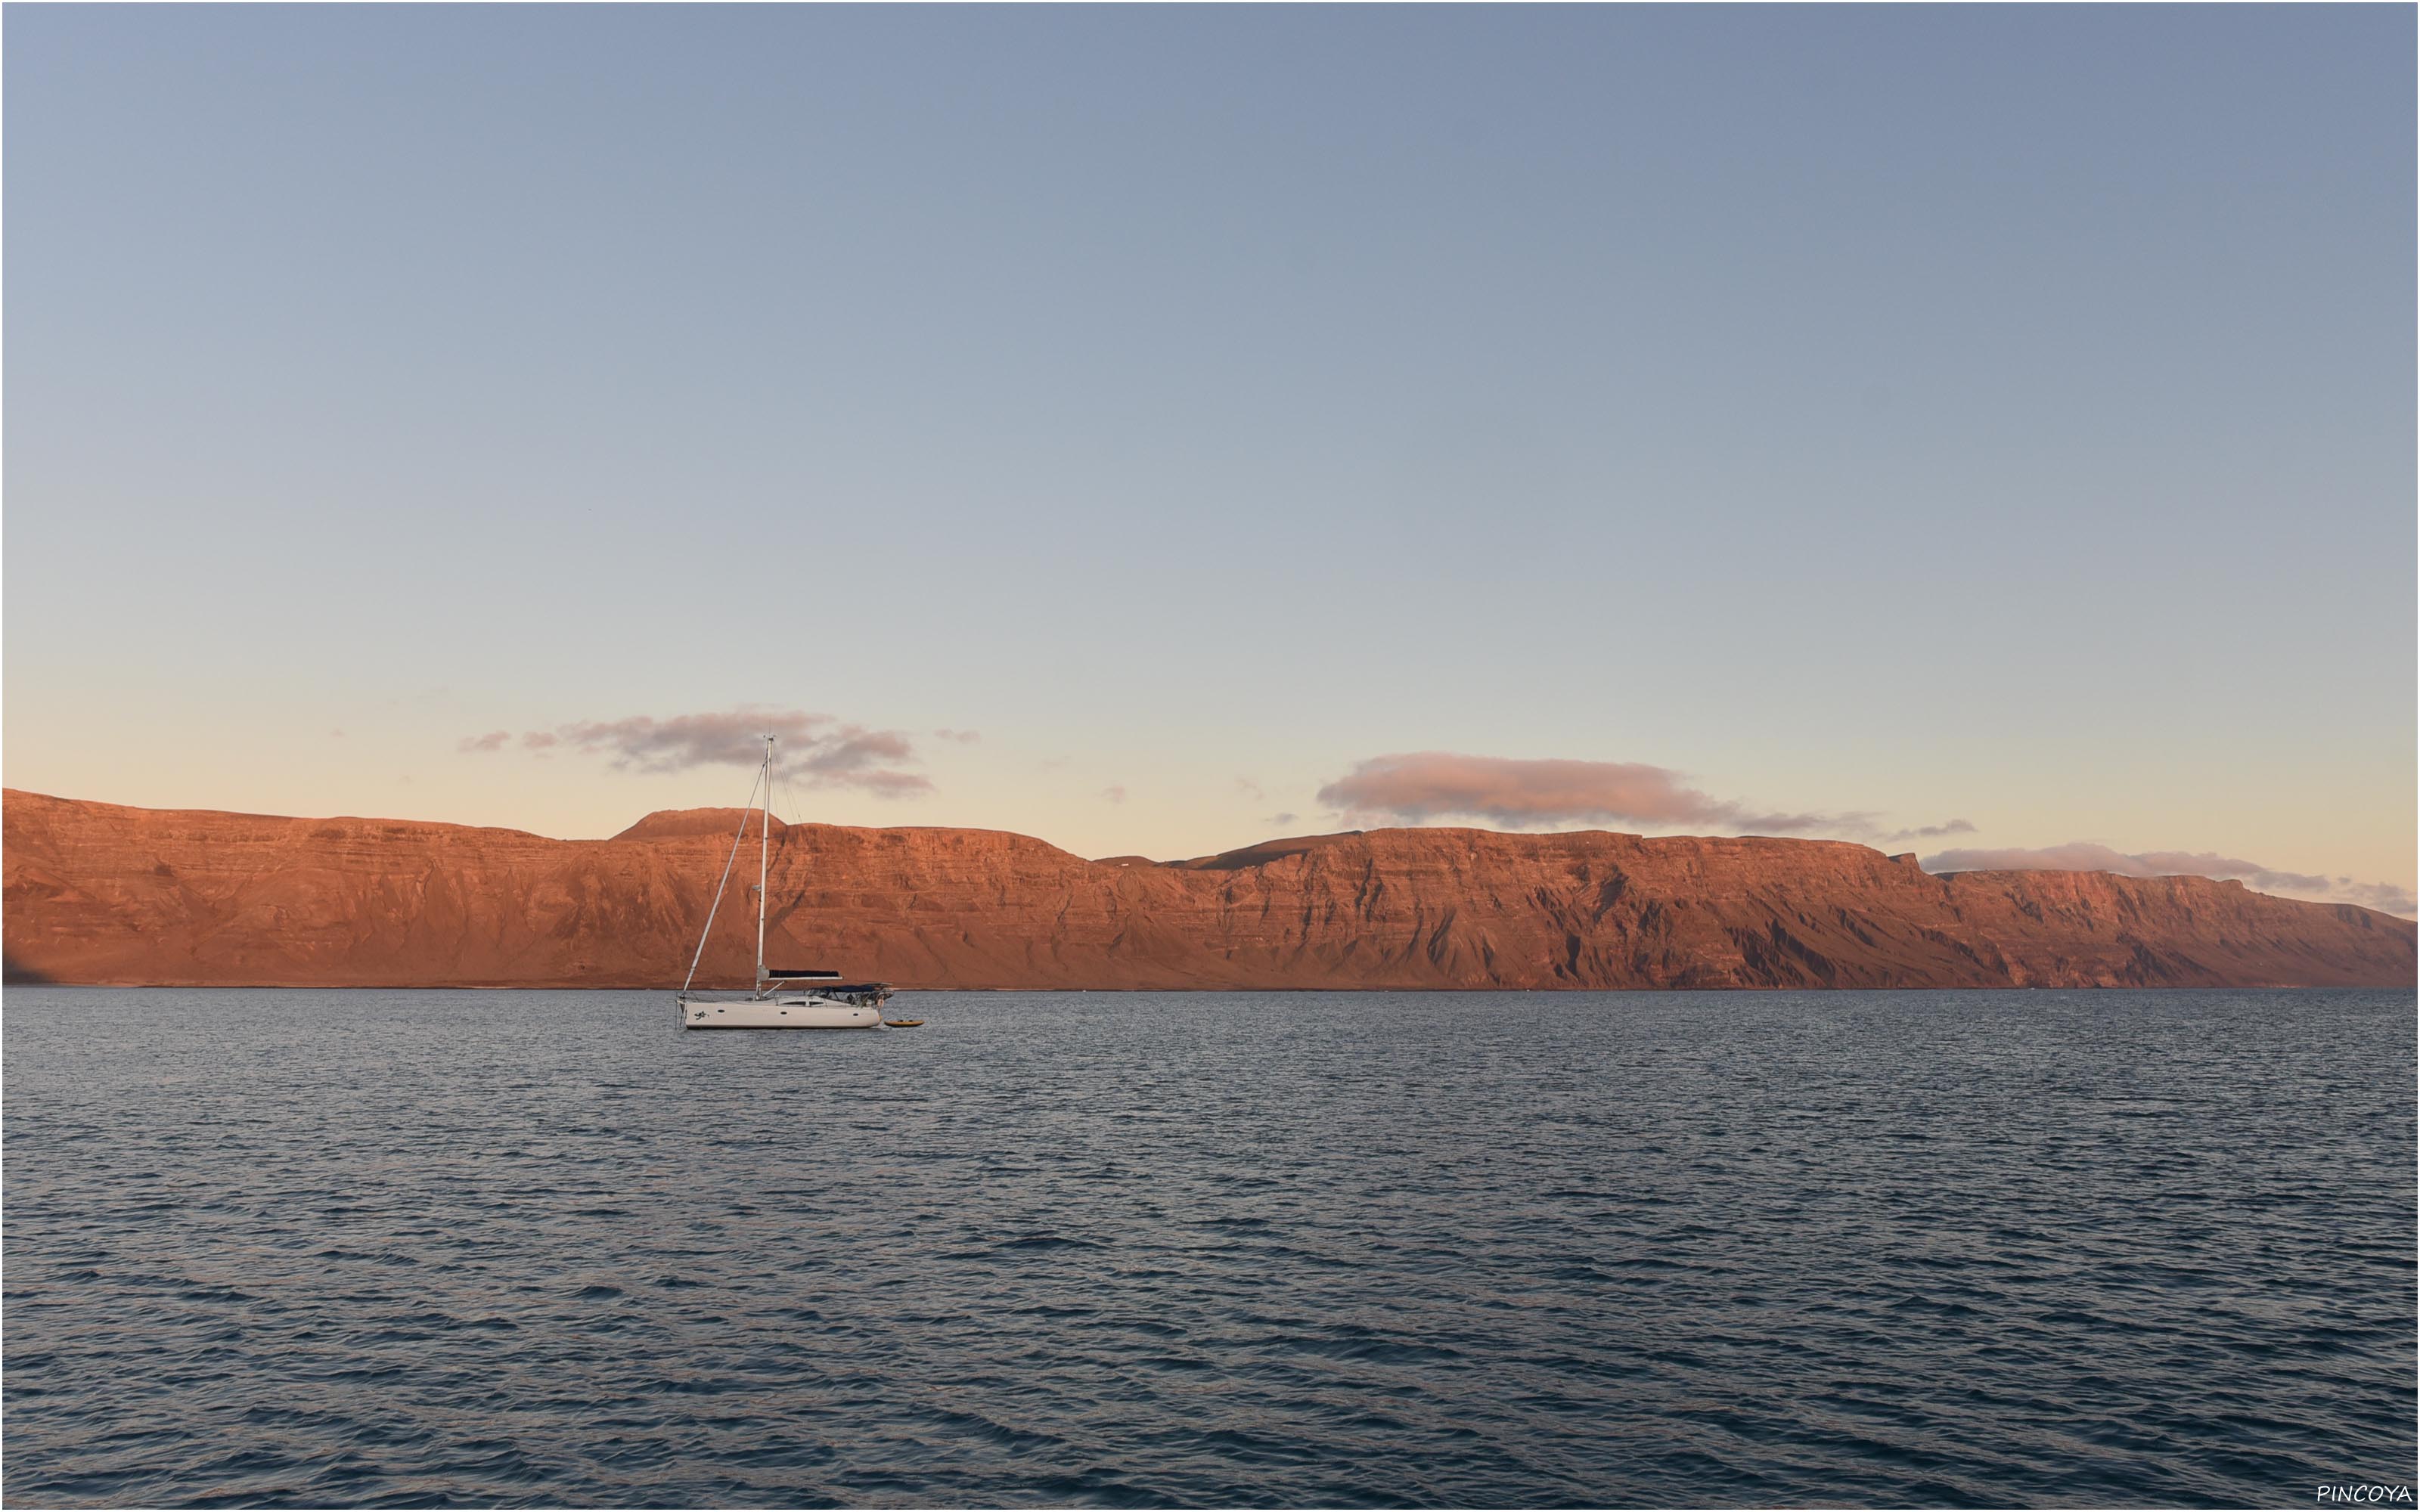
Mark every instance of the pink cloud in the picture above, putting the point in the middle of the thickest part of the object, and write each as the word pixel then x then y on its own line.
pixel 1516 793
pixel 493 740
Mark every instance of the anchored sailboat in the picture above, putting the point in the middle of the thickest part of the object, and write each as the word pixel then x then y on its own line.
pixel 782 1000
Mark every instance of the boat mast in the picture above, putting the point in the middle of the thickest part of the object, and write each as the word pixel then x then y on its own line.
pixel 764 853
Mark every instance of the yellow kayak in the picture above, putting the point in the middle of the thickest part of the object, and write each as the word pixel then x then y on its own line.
pixel 903 1024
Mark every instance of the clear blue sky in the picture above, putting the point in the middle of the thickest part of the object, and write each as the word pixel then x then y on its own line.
pixel 1994 413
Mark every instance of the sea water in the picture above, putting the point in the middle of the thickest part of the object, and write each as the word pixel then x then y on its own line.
pixel 1158 1249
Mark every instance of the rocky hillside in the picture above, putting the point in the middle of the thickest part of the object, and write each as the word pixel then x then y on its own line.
pixel 99 893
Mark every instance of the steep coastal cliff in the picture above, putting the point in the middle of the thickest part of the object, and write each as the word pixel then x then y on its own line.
pixel 100 893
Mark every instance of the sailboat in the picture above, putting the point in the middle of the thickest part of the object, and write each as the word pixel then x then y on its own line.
pixel 783 998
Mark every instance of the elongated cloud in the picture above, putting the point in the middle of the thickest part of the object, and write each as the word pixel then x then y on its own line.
pixel 1522 795
pixel 814 748
pixel 1955 827
pixel 2081 856
pixel 2384 896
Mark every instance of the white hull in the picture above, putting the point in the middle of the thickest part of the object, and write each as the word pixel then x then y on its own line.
pixel 782 1000
pixel 779 1012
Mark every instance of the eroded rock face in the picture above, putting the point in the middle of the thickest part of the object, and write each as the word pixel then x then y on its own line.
pixel 99 893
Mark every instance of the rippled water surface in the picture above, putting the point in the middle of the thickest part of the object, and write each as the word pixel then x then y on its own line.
pixel 1158 1249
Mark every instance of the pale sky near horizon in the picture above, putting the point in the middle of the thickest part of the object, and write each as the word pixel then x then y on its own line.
pixel 1991 414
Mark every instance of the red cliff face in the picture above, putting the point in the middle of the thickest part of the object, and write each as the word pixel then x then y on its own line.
pixel 98 893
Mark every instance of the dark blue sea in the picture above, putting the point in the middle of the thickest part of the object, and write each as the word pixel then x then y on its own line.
pixel 387 1248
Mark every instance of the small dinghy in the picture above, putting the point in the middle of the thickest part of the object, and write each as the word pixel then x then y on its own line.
pixel 903 1024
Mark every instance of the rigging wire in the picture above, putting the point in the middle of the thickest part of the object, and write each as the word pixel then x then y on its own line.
pixel 764 774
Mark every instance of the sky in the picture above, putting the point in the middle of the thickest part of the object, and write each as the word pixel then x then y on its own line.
pixel 1982 430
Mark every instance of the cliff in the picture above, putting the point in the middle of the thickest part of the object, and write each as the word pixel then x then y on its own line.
pixel 99 893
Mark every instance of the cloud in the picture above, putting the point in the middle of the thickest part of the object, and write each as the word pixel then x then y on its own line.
pixel 964 737
pixel 2083 855
pixel 2384 896
pixel 812 749
pixel 886 784
pixel 1955 827
pixel 493 740
pixel 1520 795
pixel 1115 793
pixel 2207 864
pixel 1280 818
pixel 1250 789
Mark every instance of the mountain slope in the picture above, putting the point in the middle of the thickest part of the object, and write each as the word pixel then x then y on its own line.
pixel 99 893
